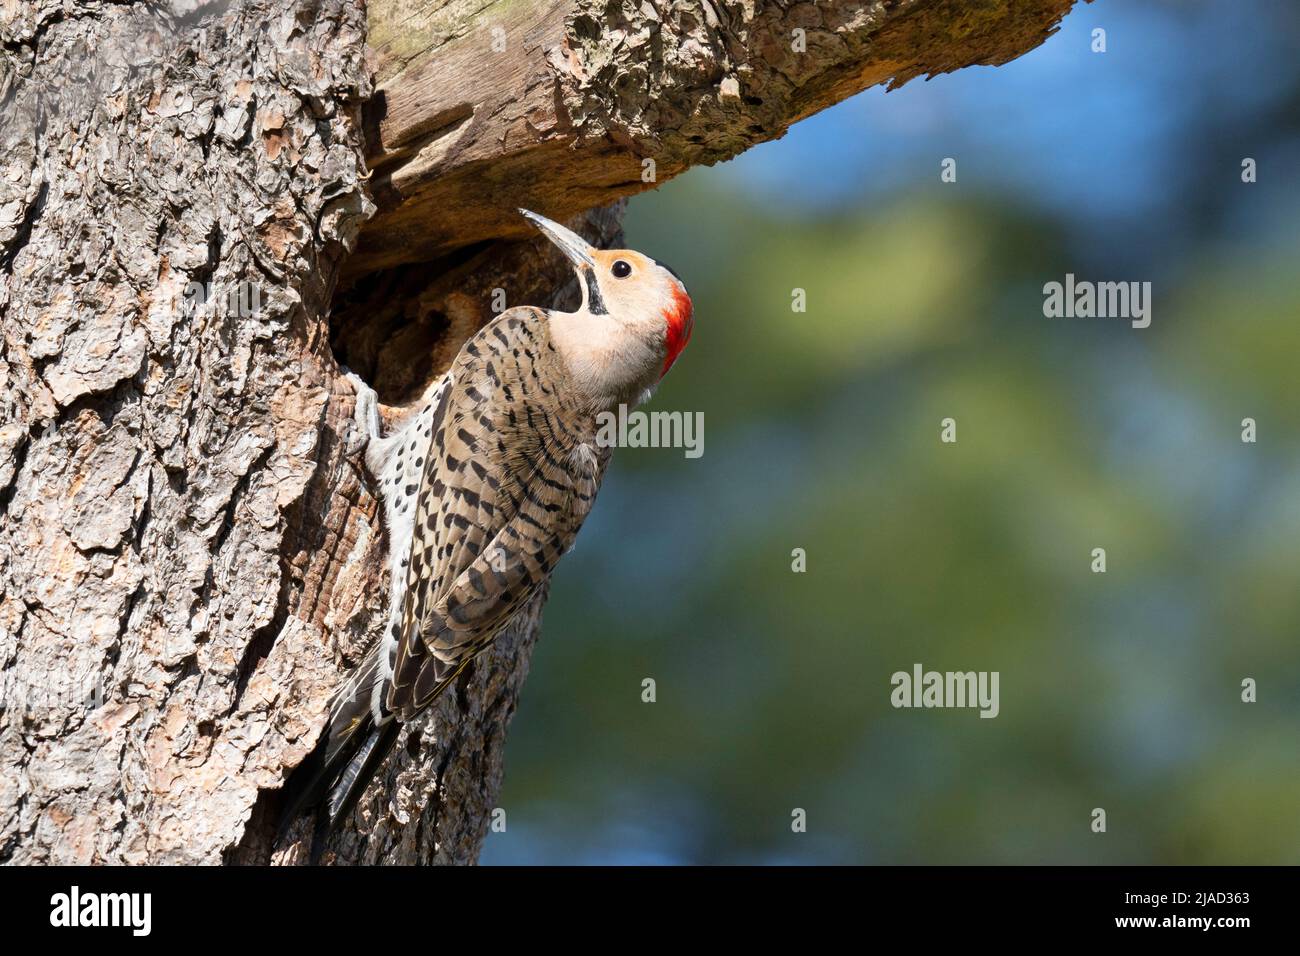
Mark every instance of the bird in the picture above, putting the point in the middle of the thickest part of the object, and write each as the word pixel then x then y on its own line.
pixel 484 489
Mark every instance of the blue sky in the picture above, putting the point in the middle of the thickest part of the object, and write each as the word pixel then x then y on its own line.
pixel 1100 136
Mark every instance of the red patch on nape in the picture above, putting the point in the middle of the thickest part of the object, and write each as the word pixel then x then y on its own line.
pixel 680 320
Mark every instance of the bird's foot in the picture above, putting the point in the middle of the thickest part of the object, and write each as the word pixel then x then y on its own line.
pixel 365 424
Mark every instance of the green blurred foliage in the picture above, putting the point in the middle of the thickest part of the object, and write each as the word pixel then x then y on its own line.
pixel 1118 690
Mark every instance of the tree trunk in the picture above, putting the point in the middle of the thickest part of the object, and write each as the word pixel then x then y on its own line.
pixel 189 560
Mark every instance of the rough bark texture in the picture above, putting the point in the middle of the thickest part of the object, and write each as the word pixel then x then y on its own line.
pixel 558 104
pixel 189 561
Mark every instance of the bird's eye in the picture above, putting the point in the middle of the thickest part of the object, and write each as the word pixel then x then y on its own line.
pixel 622 269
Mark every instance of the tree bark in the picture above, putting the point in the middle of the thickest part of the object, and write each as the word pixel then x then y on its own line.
pixel 204 210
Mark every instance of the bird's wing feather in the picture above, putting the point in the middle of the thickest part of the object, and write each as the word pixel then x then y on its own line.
pixel 504 490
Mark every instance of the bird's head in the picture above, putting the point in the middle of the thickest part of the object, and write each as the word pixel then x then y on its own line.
pixel 634 320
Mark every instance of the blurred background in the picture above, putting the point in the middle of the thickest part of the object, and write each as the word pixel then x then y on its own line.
pixel 924 301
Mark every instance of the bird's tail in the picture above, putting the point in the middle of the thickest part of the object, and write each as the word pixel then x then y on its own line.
pixel 360 734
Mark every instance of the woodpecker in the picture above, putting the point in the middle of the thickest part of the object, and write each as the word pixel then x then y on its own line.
pixel 484 488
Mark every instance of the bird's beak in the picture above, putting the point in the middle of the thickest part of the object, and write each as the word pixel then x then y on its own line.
pixel 570 243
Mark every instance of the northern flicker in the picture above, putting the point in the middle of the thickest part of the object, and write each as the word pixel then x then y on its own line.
pixel 485 487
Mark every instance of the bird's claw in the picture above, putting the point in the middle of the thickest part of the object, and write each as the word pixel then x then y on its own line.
pixel 364 426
